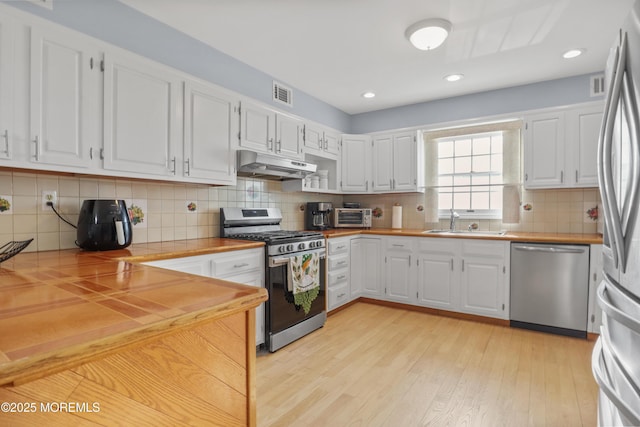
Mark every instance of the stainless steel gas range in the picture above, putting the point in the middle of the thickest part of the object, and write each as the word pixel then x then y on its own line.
pixel 285 321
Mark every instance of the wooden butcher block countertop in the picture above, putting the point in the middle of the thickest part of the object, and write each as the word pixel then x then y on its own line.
pixel 59 309
pixel 514 236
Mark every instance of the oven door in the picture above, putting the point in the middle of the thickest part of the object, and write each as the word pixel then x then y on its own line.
pixel 281 312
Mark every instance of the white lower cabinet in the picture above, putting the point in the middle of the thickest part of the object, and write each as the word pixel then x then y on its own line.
pixel 437 276
pixel 399 274
pixel 242 266
pixel 595 277
pixel 461 275
pixel 366 269
pixel 484 272
pixel 338 268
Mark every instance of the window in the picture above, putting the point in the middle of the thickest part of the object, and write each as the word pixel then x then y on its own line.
pixel 470 175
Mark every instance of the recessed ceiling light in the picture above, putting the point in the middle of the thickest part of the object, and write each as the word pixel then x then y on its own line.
pixel 573 53
pixel 453 77
pixel 368 95
pixel 429 33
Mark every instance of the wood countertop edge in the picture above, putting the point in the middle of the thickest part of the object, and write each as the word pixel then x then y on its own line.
pixel 52 362
pixel 509 236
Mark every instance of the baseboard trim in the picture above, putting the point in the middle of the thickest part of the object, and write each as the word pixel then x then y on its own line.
pixel 435 311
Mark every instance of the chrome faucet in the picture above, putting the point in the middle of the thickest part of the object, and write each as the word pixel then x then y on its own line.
pixel 452 223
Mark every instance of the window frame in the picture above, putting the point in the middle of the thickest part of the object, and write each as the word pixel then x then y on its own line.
pixel 471 213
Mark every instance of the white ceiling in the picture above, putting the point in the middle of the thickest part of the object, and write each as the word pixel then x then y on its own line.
pixel 335 50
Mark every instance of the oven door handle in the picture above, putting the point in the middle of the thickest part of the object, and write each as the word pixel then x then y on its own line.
pixel 284 259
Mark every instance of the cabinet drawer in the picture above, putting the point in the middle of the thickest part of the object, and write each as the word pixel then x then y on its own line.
pixel 483 248
pixel 337 262
pixel 338 296
pixel 236 262
pixel 399 244
pixel 338 277
pixel 338 247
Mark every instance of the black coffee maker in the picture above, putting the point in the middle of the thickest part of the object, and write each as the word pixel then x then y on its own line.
pixel 104 225
pixel 316 215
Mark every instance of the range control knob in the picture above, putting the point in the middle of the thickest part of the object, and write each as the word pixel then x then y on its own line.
pixel 281 249
pixel 301 246
pixel 289 248
pixel 312 245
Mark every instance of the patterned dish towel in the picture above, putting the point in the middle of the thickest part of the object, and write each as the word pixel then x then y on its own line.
pixel 304 279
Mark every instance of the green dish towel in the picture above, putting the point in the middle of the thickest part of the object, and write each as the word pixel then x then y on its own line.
pixel 304 279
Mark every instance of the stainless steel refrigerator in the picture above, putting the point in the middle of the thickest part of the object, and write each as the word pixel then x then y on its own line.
pixel 616 356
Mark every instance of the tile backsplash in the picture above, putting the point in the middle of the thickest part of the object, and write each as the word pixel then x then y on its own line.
pixel 161 211
pixel 168 211
pixel 550 211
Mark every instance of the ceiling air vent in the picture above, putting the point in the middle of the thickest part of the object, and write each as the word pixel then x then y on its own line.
pixel 597 85
pixel 282 94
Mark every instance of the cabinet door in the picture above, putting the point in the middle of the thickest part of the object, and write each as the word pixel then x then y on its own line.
pixel 371 267
pixel 382 179
pixel 586 127
pixel 255 279
pixel 210 133
pixel 142 116
pixel 288 136
pixel 258 128
pixel 482 286
pixel 331 143
pixel 404 162
pixel 313 139
pixel 356 273
pixel 6 87
pixel 356 163
pixel 437 281
pixel 198 265
pixel 544 151
pixel 65 83
pixel 398 278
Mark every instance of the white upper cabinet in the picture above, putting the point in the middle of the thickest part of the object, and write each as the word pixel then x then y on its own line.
pixel 265 131
pixel 544 151
pixel 320 142
pixel 382 163
pixel 395 161
pixel 142 116
pixel 6 87
pixel 356 163
pixel 583 129
pixel 65 98
pixel 560 148
pixel 289 136
pixel 210 133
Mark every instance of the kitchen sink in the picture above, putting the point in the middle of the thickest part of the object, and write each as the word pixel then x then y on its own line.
pixel 467 232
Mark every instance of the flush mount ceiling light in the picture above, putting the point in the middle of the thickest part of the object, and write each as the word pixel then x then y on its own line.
pixel 573 53
pixel 454 77
pixel 429 33
pixel 368 95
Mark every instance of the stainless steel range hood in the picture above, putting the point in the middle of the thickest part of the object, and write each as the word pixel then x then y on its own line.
pixel 267 166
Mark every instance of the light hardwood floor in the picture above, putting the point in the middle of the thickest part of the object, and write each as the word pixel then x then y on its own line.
pixel 379 366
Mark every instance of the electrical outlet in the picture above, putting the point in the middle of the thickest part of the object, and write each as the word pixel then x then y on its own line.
pixel 49 196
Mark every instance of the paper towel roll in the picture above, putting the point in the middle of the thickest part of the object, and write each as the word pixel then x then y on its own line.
pixel 396 217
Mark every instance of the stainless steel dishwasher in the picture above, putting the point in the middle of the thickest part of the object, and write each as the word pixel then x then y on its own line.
pixel 550 287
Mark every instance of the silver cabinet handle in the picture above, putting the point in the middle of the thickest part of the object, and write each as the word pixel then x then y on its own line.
pixel 37 142
pixel 320 144
pixel 341 262
pixel 244 264
pixel 366 185
pixel 90 153
pixel 409 260
pixel 463 265
pixel 341 277
pixel 340 247
pixel 173 171
pixel 394 183
pixel 279 146
pixel 188 171
pixel 395 245
pixel 576 176
pixel 102 154
pixel 326 144
pixel 561 176
pixel 451 264
pixel 390 183
pixel 341 295
pixel 270 144
pixel 5 135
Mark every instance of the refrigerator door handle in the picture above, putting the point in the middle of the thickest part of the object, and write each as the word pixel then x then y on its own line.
pixel 597 360
pixel 630 206
pixel 611 206
pixel 613 311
